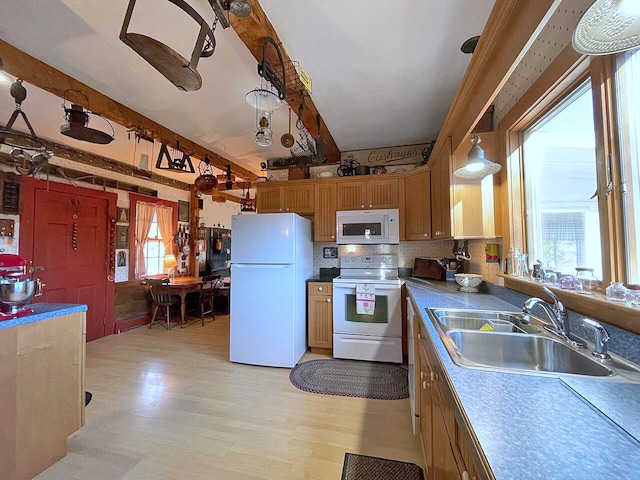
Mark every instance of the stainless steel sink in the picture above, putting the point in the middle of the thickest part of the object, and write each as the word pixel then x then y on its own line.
pixel 534 353
pixel 478 320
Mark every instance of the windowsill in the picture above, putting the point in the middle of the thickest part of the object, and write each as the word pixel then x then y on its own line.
pixel 594 306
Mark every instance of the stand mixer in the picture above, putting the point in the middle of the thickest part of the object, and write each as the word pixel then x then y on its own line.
pixel 16 288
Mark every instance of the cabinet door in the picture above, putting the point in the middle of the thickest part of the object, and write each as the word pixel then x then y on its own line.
pixel 423 389
pixel 440 202
pixel 444 462
pixel 324 218
pixel 417 206
pixel 382 193
pixel 269 199
pixel 298 198
pixel 352 194
pixel 320 315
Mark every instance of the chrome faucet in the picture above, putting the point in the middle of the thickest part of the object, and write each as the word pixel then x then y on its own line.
pixel 557 313
pixel 602 337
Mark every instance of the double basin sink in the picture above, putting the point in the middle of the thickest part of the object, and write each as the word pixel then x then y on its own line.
pixel 500 341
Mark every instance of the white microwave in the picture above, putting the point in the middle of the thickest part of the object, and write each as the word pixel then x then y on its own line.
pixel 367 227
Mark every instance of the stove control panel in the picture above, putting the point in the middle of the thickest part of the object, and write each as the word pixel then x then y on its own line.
pixel 369 261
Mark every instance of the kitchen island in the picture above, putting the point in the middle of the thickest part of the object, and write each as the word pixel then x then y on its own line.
pixel 42 397
pixel 527 426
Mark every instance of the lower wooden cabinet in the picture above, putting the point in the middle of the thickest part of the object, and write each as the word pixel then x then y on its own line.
pixel 320 315
pixel 448 453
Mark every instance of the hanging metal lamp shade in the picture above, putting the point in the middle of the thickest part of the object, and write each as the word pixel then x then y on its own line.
pixel 477 166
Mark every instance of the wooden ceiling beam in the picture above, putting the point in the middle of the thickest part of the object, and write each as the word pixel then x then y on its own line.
pixel 252 30
pixel 35 72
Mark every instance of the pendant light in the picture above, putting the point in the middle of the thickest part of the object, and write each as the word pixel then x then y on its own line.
pixel 264 102
pixel 477 166
pixel 206 182
pixel 607 27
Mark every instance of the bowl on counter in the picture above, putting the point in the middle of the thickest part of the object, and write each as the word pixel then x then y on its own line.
pixel 15 294
pixel 468 282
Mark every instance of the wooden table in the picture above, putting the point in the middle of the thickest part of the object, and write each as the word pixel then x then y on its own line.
pixel 182 286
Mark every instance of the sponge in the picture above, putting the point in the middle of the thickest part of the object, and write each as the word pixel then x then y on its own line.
pixel 487 327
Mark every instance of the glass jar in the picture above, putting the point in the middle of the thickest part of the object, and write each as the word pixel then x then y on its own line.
pixel 585 280
pixel 567 282
pixel 616 291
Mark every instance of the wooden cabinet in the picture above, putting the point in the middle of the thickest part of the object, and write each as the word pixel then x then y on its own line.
pixel 474 215
pixel 285 198
pixel 440 198
pixel 320 315
pixel 367 194
pixel 324 218
pixel 42 396
pixel 415 206
pixel 448 452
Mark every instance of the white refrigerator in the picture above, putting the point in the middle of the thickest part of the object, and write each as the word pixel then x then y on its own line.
pixel 271 259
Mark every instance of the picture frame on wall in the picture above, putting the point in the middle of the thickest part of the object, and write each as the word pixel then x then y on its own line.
pixel 122 215
pixel 183 211
pixel 122 236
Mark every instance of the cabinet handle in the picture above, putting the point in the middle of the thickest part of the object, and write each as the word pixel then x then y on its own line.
pixel 419 336
pixel 333 236
pixel 465 475
pixel 438 232
pixel 328 300
pixel 421 374
pixel 370 206
pixel 424 385
pixel 319 289
pixel 432 376
pixel 362 206
pixel 426 235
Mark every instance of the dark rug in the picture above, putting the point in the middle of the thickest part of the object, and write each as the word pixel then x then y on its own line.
pixel 362 467
pixel 351 378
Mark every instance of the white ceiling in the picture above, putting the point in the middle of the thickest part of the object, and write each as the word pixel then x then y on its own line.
pixel 384 73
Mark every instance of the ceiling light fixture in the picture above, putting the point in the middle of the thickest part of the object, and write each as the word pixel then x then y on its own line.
pixel 265 102
pixel 607 27
pixel 206 182
pixel 477 166
pixel 179 71
pixel 77 126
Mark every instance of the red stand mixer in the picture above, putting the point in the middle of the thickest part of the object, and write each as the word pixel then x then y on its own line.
pixel 17 289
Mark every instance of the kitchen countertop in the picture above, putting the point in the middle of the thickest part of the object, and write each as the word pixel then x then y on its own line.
pixel 42 311
pixel 538 427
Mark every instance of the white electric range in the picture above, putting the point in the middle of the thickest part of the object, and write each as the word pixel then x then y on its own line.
pixel 365 336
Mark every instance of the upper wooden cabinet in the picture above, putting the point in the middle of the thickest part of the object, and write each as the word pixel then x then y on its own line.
pixel 285 198
pixel 474 199
pixel 440 198
pixel 415 206
pixel 367 194
pixel 324 218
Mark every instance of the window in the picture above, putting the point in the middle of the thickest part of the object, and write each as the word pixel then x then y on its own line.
pixel 628 112
pixel 154 249
pixel 562 219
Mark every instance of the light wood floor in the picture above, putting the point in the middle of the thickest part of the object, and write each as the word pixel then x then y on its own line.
pixel 170 405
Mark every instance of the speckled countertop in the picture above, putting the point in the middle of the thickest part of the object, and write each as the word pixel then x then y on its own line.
pixel 539 427
pixel 42 311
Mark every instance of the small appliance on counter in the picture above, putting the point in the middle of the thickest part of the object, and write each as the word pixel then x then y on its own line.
pixel 436 269
pixel 17 288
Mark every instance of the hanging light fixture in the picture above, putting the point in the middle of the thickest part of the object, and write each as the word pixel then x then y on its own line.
pixel 206 182
pixel 77 125
pixel 240 8
pixel 477 166
pixel 607 27
pixel 265 102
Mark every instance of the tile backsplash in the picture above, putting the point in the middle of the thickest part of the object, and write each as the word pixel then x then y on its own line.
pixel 408 251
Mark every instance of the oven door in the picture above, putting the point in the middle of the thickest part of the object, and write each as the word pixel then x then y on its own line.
pixel 386 320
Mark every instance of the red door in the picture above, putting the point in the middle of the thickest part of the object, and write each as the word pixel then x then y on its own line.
pixel 69 235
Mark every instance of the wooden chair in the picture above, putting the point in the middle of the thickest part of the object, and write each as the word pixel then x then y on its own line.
pixel 162 299
pixel 207 293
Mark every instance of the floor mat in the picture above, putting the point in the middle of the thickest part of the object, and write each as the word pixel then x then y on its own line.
pixel 351 378
pixel 363 467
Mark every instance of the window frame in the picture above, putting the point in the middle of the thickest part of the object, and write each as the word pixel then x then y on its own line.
pixel 134 198
pixel 563 75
